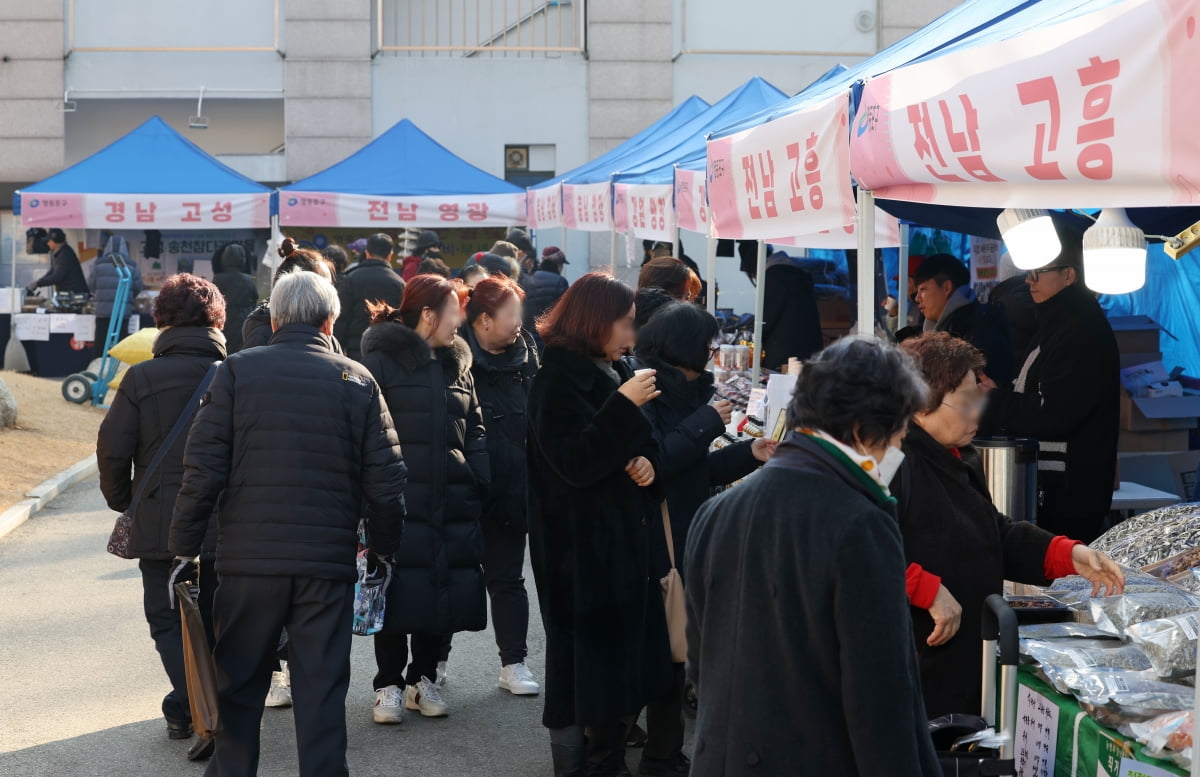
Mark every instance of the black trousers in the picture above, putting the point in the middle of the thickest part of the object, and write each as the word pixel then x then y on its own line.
pixel 664 722
pixel 250 611
pixel 391 657
pixel 101 337
pixel 503 574
pixel 166 629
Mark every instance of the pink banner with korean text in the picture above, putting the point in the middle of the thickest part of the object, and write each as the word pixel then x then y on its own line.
pixel 790 176
pixel 326 209
pixel 586 206
pixel 1093 112
pixel 644 210
pixel 691 200
pixel 545 207
pixel 146 211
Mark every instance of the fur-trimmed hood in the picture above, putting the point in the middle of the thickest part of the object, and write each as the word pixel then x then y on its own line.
pixel 412 352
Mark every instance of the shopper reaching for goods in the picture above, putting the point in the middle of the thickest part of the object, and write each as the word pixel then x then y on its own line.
pixel 960 548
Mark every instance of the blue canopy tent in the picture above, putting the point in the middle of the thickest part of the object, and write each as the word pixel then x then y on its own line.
pixel 403 178
pixel 679 115
pixel 545 201
pixel 152 178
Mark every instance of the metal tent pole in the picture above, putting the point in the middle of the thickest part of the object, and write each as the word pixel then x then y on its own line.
pixel 902 283
pixel 712 274
pixel 759 296
pixel 866 263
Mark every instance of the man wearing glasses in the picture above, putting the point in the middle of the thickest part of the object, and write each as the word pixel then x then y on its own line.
pixel 1067 396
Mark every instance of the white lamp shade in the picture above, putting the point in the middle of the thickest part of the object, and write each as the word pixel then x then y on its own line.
pixel 1030 236
pixel 1114 254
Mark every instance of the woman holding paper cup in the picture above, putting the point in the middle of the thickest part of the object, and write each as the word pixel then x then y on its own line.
pixel 593 468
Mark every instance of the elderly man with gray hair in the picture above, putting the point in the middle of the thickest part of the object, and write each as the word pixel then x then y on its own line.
pixel 292 444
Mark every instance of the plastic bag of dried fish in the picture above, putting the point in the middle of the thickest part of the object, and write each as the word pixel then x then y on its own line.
pixel 1151 537
pixel 1114 614
pixel 1068 630
pixel 1057 657
pixel 1138 692
pixel 1080 597
pixel 1169 643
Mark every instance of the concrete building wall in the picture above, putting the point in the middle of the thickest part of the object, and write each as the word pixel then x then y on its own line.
pixel 327 80
pixel 31 87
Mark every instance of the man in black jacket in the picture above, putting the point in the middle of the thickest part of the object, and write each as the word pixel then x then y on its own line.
pixel 949 304
pixel 297 444
pixel 1067 396
pixel 371 280
pixel 65 273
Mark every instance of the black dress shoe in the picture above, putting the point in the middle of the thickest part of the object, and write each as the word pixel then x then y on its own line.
pixel 177 730
pixel 679 766
pixel 202 749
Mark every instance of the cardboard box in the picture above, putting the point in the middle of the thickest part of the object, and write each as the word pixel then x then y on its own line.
pixel 1151 442
pixel 1161 414
pixel 1136 334
pixel 1134 359
pixel 1171 472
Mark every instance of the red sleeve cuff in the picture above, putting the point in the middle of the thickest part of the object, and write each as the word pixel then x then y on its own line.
pixel 922 586
pixel 1058 558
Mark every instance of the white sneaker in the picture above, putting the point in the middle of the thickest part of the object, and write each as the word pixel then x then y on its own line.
pixel 280 693
pixel 426 697
pixel 442 674
pixel 389 708
pixel 518 680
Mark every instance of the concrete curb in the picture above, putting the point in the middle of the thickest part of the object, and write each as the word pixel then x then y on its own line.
pixel 44 493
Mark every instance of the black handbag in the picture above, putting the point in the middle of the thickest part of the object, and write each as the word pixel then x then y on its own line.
pixel 118 541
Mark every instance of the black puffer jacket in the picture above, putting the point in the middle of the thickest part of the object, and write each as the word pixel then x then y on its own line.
pixel 684 426
pixel 297 445
pixel 256 330
pixel 545 287
pixel 104 279
pixel 986 328
pixel 437 586
pixel 502 384
pixel 148 402
pixel 241 296
pixel 371 280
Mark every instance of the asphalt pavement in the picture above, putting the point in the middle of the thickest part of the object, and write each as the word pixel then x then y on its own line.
pixel 81 684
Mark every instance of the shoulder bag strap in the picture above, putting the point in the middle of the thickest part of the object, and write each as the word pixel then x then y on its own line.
pixel 666 516
pixel 185 418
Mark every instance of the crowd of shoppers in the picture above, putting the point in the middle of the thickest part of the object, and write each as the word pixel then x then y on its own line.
pixel 456 421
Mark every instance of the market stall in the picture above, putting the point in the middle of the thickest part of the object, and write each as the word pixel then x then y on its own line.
pixel 402 179
pixel 174 204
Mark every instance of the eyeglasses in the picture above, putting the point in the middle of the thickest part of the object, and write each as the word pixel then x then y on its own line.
pixel 1033 275
pixel 713 351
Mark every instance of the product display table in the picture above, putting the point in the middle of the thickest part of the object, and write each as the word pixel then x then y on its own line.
pixel 1055 738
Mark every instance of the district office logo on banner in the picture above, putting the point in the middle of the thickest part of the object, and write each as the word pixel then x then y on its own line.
pixel 790 176
pixel 1085 113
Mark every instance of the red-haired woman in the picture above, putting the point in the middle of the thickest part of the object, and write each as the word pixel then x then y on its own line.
pixel 424 371
pixel 504 363
pixel 591 495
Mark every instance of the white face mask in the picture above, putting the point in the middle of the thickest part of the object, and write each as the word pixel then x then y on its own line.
pixel 890 464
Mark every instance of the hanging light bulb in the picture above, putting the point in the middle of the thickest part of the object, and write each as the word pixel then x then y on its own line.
pixel 1030 236
pixel 1114 254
